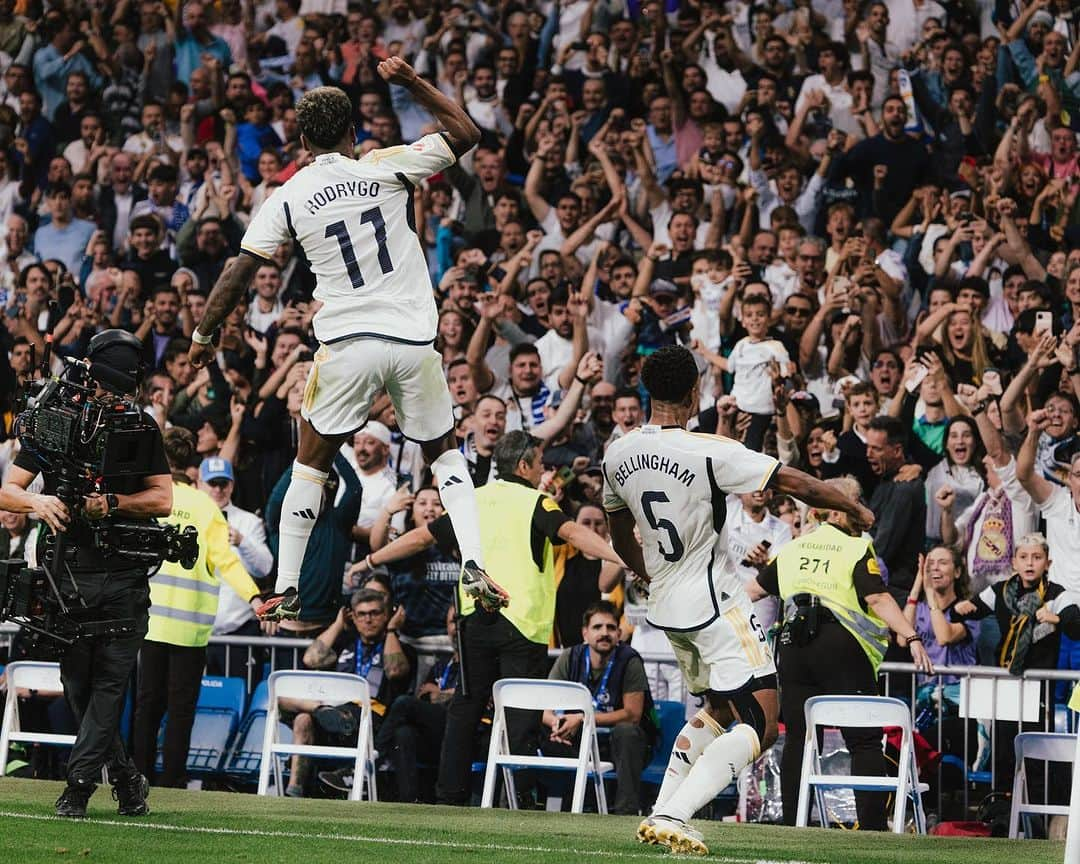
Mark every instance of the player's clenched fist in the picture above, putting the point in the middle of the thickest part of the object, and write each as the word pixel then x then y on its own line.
pixel 397 71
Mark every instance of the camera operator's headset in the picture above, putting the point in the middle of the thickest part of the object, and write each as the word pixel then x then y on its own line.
pixel 115 358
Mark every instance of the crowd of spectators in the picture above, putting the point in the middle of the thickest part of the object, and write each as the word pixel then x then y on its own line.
pixel 861 216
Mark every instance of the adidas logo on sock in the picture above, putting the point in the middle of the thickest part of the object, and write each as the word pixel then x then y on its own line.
pixel 304 514
pixel 452 480
pixel 678 754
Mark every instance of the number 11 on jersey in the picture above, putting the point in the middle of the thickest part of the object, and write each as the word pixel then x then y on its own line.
pixel 340 231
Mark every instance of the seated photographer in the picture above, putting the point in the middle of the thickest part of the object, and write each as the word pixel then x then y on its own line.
pixel 95 670
pixel 363 640
pixel 615 675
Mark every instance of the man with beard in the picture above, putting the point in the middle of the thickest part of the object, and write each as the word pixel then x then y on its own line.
pixel 146 265
pixel 563 346
pixel 615 675
pixel 489 423
pixel 214 240
pixel 898 506
pixel 479 188
pixel 601 406
pixel 483 104
pixel 160 326
pixel 905 159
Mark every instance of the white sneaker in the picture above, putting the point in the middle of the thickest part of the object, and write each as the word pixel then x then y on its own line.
pixel 677 836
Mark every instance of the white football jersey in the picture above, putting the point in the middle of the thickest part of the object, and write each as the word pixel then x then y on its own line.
pixel 355 221
pixel 676 484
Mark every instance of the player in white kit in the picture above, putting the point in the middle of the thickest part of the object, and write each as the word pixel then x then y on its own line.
pixel 355 221
pixel 672 484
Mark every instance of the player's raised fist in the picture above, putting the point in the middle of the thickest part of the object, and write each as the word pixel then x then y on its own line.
pixel 397 71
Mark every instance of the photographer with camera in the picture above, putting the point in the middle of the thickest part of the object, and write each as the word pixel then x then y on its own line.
pixel 100 583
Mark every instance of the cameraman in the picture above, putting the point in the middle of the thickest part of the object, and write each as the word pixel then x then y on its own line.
pixel 95 670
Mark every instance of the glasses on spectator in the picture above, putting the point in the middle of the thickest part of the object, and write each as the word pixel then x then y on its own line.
pixel 218 484
pixel 798 311
pixel 367 613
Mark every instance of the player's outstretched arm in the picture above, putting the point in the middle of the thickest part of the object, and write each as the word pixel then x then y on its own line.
pixel 816 493
pixel 461 133
pixel 230 287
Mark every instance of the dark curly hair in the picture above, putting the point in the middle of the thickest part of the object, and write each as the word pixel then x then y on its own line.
pixel 670 374
pixel 324 115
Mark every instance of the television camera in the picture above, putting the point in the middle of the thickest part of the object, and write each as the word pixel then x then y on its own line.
pixel 81 436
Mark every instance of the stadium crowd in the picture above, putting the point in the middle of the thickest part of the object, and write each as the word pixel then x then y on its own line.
pixel 861 216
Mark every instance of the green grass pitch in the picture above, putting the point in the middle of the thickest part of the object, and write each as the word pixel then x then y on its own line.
pixel 221 828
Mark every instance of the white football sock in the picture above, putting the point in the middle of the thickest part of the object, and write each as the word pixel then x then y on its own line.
pixel 299 510
pixel 698 733
pixel 721 763
pixel 459 499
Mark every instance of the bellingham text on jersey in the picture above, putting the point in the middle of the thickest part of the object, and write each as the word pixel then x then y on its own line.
pixel 653 462
pixel 347 188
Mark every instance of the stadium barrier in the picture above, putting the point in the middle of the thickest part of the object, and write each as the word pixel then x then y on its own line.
pixel 987 694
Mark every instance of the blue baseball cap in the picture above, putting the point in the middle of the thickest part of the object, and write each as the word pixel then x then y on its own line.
pixel 215 468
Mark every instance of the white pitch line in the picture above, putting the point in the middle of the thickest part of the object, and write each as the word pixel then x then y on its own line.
pixel 388 841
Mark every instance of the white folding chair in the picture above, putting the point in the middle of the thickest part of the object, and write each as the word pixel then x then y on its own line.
pixel 536 695
pixel 1047 747
pixel 861 712
pixel 326 688
pixel 28 675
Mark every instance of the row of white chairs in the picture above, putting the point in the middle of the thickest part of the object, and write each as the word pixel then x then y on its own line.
pixel 334 688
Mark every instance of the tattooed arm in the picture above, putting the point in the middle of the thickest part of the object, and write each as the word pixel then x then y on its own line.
pixel 230 287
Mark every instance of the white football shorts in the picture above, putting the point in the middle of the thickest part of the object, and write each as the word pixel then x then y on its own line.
pixel 346 376
pixel 726 654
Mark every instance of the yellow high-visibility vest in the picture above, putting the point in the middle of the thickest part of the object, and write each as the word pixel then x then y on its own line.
pixel 506 513
pixel 183 602
pixel 821 563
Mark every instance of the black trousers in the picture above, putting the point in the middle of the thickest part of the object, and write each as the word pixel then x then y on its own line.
pixel 832 664
pixel 411 731
pixel 95 673
pixel 169 680
pixel 493 648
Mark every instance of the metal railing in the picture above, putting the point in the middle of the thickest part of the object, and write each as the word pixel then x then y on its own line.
pixel 286 652
pixel 1047 680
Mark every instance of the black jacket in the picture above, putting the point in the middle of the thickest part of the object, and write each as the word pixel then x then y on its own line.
pixel 107 214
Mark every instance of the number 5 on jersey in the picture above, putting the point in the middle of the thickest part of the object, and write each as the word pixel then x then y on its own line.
pixel 340 231
pixel 661 524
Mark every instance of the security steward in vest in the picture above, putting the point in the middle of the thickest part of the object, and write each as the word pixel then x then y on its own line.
pixel 183 604
pixel 837 615
pixel 615 675
pixel 507 636
pixel 95 670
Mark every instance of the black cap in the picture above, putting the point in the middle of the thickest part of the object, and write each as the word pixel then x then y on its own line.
pixel 115 358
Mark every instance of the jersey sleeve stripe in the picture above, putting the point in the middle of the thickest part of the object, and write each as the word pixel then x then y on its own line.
pixel 769 476
pixel 410 206
pixel 255 253
pixel 288 219
pixel 446 140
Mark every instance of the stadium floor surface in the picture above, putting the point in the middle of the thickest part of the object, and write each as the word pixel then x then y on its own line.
pixel 216 827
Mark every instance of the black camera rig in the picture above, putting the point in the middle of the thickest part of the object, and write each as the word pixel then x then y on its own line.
pixel 81 436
